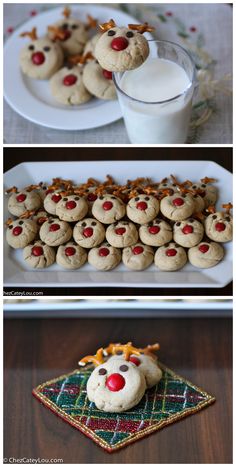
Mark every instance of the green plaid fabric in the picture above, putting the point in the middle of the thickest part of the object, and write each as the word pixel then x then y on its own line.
pixel 172 399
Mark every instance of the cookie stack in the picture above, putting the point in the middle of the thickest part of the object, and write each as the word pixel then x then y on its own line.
pixel 141 222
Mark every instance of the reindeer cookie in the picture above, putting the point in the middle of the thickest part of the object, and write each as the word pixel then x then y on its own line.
pixel 22 201
pixel 177 207
pixel 51 200
pixel 138 257
pixel 206 254
pixel 21 232
pixel 155 233
pixel 71 208
pixel 41 58
pixel 171 257
pixel 118 384
pixel 71 256
pixel 108 209
pixel 142 208
pixel 206 190
pixel 55 232
pixel 122 234
pixel 99 81
pixel 67 86
pixel 89 233
pixel 188 233
pixel 121 48
pixel 104 257
pixel 219 225
pixel 38 255
pixel 70 33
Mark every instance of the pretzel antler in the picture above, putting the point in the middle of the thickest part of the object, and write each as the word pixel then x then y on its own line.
pixel 150 349
pixel 211 209
pixel 106 26
pixel 96 359
pixel 27 214
pixel 13 189
pixel 92 22
pixel 207 180
pixel 58 33
pixel 127 350
pixel 110 349
pixel 145 27
pixel 227 207
pixel 8 221
pixel 31 34
pixel 66 12
pixel 80 59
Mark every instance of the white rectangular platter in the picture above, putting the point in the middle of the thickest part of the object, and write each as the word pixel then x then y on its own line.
pixel 18 274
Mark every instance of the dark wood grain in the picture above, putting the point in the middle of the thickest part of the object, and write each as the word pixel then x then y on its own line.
pixel 38 350
pixel 221 155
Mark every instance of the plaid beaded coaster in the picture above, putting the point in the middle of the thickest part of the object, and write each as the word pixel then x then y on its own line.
pixel 173 399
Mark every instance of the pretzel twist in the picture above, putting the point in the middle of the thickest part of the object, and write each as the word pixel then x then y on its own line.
pixel 141 28
pixel 13 189
pixel 96 359
pixel 106 26
pixel 92 22
pixel 31 34
pixel 66 12
pixel 227 207
pixel 57 32
pixel 207 180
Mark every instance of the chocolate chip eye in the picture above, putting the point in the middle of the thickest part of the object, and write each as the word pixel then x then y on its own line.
pixel 147 198
pixel 176 245
pixel 136 199
pixel 214 217
pixel 102 371
pixel 31 47
pixel 178 224
pixel 203 185
pixel 166 245
pixel 129 34
pixel 124 368
pixel 191 220
pixel 157 221
pixel 65 26
pixel 195 196
pixel 101 197
pixel 125 223
pixel 74 26
pixel 87 190
pixel 21 223
pixel 227 219
pixel 83 224
pixel 164 184
pixel 77 198
pixel 50 221
pixel 194 187
pixel 44 188
pixel 113 197
pixel 111 32
pixel 93 223
pixel 65 199
pixel 184 196
pixel 10 227
pixel 46 49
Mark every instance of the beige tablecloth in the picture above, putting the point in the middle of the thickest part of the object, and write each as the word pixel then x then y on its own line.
pixel 211 21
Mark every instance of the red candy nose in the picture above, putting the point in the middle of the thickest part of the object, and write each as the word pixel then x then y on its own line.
pixel 54 227
pixel 20 198
pixel 178 202
pixel 37 251
pixel 69 80
pixel 154 229
pixel 220 226
pixel 107 205
pixel 187 229
pixel 171 252
pixel 203 248
pixel 38 58
pixel 134 360
pixel 141 205
pixel 137 250
pixel 67 35
pixel 91 197
pixel 115 382
pixel 120 231
pixel 17 231
pixel 56 198
pixel 70 251
pixel 103 252
pixel 88 232
pixel 107 74
pixel 119 43
pixel 71 205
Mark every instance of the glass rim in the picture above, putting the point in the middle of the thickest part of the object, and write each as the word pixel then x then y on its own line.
pixel 193 78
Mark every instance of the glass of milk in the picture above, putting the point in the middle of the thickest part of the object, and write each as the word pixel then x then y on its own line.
pixel 156 98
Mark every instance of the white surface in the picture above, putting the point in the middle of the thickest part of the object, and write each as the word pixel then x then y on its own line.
pixel 32 99
pixel 16 272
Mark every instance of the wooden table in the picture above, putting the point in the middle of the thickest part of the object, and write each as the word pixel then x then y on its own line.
pixel 221 155
pixel 37 350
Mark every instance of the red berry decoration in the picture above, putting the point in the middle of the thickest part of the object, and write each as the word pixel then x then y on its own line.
pixel 120 231
pixel 193 29
pixel 115 382
pixel 38 58
pixel 119 43
pixel 54 227
pixel 91 197
pixel 134 360
pixel 69 80
pixel 187 229
pixel 70 251
pixel 137 250
pixel 141 205
pixel 37 251
pixel 71 205
pixel 203 248
pixel 220 226
pixel 154 229
pixel 107 205
pixel 17 231
pixel 178 202
pixel 88 232
pixel 56 198
pixel 107 74
pixel 103 252
pixel 171 252
pixel 20 198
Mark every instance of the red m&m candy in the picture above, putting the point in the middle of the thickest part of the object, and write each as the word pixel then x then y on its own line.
pixel 70 251
pixel 38 58
pixel 220 226
pixel 54 227
pixel 107 74
pixel 178 202
pixel 120 230
pixel 203 248
pixel 71 204
pixel 119 43
pixel 115 382
pixel 56 198
pixel 107 205
pixel 69 80
pixel 37 251
pixel 187 229
pixel 171 252
pixel 17 230
pixel 103 252
pixel 141 205
pixel 137 250
pixel 134 360
pixel 88 232
pixel 21 197
pixel 154 229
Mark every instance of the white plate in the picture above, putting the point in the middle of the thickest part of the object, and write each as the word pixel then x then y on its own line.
pixel 17 273
pixel 32 99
